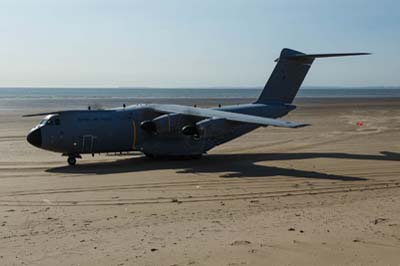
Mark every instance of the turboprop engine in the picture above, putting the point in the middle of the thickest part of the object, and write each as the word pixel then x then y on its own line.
pixel 167 123
pixel 205 128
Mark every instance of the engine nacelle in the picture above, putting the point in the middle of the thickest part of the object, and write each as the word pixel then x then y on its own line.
pixel 148 126
pixel 167 123
pixel 190 130
pixel 206 127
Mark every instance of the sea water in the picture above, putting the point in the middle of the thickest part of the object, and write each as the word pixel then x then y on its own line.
pixel 63 98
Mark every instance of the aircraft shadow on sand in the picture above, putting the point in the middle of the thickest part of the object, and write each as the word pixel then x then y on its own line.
pixel 228 165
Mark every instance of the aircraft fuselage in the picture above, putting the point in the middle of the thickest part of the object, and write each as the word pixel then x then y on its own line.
pixel 121 129
pixel 175 130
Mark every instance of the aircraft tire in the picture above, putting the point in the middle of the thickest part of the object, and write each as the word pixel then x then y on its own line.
pixel 71 161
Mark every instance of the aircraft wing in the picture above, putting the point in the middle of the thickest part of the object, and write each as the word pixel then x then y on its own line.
pixel 212 113
pixel 51 113
pixel 41 114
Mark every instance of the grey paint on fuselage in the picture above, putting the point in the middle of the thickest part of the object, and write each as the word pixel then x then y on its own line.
pixel 97 131
pixel 175 130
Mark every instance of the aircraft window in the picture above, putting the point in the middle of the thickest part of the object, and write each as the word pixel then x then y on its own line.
pixel 43 122
pixel 57 121
pixel 50 122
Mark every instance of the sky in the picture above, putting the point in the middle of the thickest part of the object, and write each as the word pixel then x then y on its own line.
pixel 190 43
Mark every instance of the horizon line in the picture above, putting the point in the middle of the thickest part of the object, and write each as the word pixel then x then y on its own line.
pixel 200 87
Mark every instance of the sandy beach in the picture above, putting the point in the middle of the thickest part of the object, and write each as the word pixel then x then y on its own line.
pixel 328 194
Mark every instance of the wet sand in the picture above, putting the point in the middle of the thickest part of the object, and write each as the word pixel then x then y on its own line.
pixel 328 194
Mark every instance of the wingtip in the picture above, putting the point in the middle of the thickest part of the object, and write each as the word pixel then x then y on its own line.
pixel 42 114
pixel 301 125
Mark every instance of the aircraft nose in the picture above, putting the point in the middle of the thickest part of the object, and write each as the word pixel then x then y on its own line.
pixel 35 137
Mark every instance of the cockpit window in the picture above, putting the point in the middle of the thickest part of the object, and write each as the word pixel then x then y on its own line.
pixel 51 121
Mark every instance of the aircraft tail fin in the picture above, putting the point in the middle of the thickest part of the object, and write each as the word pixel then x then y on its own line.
pixel 291 69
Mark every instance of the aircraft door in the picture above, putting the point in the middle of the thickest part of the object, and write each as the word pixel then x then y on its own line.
pixel 87 144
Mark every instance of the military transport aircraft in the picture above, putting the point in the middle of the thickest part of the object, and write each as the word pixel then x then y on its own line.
pixel 167 130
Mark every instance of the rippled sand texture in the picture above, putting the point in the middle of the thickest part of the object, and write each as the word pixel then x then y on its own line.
pixel 328 194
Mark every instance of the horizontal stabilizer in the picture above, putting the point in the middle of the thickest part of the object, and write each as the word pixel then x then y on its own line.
pixel 312 56
pixel 212 113
pixel 289 73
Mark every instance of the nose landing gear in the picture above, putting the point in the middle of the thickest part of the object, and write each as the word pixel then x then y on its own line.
pixel 72 158
pixel 71 161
